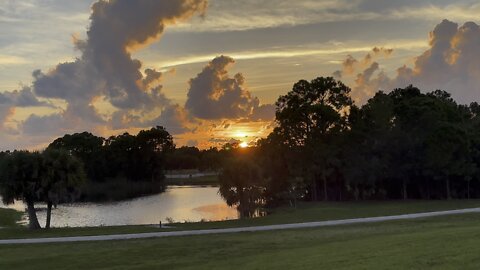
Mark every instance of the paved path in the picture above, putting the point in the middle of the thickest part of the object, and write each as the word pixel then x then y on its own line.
pixel 236 230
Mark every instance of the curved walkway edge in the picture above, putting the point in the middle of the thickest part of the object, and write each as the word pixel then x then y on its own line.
pixel 235 230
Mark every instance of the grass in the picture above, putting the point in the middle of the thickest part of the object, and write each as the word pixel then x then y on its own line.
pixel 208 180
pixel 22 232
pixel 9 217
pixel 449 242
pixel 305 212
pixel 309 212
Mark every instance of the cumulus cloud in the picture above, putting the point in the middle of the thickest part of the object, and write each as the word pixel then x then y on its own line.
pixel 18 98
pixel 176 118
pixel 451 63
pixel 22 98
pixel 350 65
pixel 215 95
pixel 5 113
pixel 106 67
pixel 107 70
pixel 265 112
pixel 44 125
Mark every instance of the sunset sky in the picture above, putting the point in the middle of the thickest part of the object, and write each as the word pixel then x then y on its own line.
pixel 210 71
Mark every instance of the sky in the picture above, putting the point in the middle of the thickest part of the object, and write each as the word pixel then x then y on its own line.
pixel 210 71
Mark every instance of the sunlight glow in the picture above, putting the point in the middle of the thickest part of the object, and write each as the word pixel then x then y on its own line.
pixel 243 145
pixel 241 134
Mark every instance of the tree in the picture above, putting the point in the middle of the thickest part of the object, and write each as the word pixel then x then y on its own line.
pixel 365 158
pixel 311 110
pixel 121 151
pixel 282 183
pixel 211 159
pixel 183 158
pixel 242 185
pixel 308 118
pixel 88 148
pixel 20 179
pixel 153 147
pixel 61 177
pixel 141 157
pixel 445 155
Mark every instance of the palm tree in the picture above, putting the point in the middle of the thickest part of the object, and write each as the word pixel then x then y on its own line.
pixel 20 180
pixel 242 185
pixel 62 175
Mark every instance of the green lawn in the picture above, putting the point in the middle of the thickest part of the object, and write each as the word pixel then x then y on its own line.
pixel 449 242
pixel 305 212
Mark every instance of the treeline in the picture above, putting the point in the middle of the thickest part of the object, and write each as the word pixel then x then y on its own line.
pixel 120 167
pixel 116 168
pixel 127 166
pixel 192 158
pixel 402 145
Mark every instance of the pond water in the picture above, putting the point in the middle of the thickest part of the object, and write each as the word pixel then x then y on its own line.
pixel 177 203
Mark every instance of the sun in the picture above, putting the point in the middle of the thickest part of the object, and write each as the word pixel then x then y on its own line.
pixel 243 145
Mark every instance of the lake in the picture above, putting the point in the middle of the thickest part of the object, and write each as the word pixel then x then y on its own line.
pixel 179 204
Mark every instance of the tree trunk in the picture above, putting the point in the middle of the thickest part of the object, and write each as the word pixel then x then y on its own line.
pixel 32 216
pixel 404 186
pixel 325 191
pixel 447 184
pixel 314 189
pixel 340 192
pixel 428 190
pixel 49 215
pixel 468 189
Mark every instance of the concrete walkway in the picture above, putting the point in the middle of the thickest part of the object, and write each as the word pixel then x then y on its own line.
pixel 236 230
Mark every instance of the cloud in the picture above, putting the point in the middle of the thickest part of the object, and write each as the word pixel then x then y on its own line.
pixel 264 112
pixel 292 52
pixel 219 142
pixel 228 15
pixel 451 63
pixel 106 70
pixel 213 94
pixel 6 112
pixel 22 98
pixel 176 118
pixel 13 99
pixel 350 65
pixel 45 125
pixel 106 67
pixel 12 60
pixel 192 143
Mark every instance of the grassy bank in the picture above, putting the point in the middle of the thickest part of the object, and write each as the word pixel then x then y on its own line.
pixel 305 212
pixel 9 218
pixel 451 242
